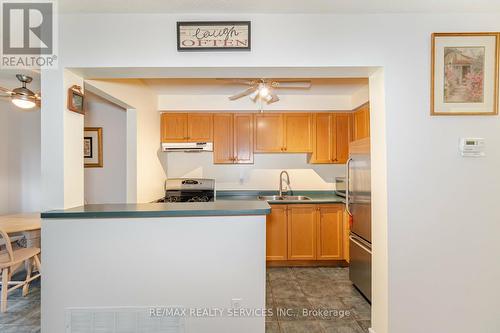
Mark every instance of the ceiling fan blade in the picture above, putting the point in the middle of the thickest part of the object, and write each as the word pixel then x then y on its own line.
pixel 247 82
pixel 274 98
pixel 244 93
pixel 6 91
pixel 291 84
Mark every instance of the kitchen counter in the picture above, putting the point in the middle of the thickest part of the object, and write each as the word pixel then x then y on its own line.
pixel 221 207
pixel 317 197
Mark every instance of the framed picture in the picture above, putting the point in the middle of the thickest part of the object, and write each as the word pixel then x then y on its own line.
pixel 92 147
pixel 75 99
pixel 214 36
pixel 465 73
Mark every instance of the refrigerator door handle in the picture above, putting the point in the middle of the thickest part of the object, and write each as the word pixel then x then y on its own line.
pixel 348 176
pixel 356 241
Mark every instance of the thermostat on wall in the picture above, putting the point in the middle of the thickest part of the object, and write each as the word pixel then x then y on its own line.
pixel 472 147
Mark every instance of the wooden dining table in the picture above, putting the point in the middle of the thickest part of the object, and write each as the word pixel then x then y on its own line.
pixel 20 222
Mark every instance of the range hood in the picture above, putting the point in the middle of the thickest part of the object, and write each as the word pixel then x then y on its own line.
pixel 187 146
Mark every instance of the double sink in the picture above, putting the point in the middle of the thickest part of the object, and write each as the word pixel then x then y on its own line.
pixel 283 198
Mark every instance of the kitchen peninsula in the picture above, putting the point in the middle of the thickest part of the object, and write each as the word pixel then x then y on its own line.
pixel 144 256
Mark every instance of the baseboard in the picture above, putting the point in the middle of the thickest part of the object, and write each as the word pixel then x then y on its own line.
pixel 371 330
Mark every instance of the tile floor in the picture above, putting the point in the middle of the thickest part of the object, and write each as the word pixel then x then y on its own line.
pixel 23 315
pixel 313 289
pixel 290 290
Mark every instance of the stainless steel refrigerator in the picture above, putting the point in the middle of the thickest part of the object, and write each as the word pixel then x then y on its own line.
pixel 358 204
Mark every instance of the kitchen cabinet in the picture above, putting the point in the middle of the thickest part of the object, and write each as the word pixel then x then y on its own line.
pixel 301 232
pixel 173 127
pixel 233 138
pixel 289 132
pixel 361 118
pixel 298 132
pixel 276 233
pixel 269 133
pixel 223 138
pixel 329 232
pixel 186 127
pixel 306 232
pixel 331 137
pixel 341 137
pixel 200 127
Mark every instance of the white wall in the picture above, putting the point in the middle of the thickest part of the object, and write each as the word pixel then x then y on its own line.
pixel 442 242
pixel 109 183
pixel 149 175
pixel 19 156
pixel 262 175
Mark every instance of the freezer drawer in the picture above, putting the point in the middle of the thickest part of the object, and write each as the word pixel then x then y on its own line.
pixel 360 269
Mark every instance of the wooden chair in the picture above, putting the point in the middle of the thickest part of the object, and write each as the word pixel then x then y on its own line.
pixel 10 260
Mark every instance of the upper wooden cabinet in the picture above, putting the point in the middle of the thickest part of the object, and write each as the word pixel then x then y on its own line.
pixel 361 128
pixel 243 138
pixel 233 138
pixel 289 132
pixel 331 137
pixel 276 233
pixel 200 127
pixel 186 127
pixel 298 132
pixel 268 133
pixel 174 127
pixel 341 137
pixel 329 232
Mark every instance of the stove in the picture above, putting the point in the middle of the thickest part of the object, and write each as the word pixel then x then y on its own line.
pixel 189 190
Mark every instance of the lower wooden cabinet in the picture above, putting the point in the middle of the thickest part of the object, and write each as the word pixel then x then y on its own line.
pixel 276 233
pixel 330 232
pixel 305 232
pixel 301 232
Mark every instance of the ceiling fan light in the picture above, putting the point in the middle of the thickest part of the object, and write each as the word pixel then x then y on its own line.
pixel 253 96
pixel 23 102
pixel 268 98
pixel 263 91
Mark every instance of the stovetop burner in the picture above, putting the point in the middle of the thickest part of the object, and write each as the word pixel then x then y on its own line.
pixel 189 190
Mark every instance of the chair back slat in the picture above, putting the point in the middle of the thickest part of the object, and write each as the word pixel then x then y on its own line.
pixel 8 244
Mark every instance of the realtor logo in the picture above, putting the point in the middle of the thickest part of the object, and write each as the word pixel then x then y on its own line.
pixel 28 34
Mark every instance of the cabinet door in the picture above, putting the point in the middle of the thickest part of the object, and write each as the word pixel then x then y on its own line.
pixel 322 138
pixel 302 232
pixel 341 137
pixel 174 127
pixel 223 138
pixel 276 233
pixel 243 138
pixel 268 131
pixel 298 132
pixel 200 127
pixel 330 232
pixel 362 123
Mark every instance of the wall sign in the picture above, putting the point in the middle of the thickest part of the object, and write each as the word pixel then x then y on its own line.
pixel 214 36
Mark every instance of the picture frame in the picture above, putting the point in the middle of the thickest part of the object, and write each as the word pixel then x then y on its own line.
pixel 214 36
pixel 92 147
pixel 76 99
pixel 465 73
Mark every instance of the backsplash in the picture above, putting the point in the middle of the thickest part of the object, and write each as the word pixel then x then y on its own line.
pixel 262 175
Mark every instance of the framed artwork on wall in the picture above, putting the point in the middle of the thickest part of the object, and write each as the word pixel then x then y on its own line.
pixel 75 99
pixel 214 36
pixel 464 78
pixel 92 147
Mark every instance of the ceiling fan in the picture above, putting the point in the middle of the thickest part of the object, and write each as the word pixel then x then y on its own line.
pixel 264 89
pixel 22 97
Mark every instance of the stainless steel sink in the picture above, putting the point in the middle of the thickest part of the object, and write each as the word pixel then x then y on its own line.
pixel 283 198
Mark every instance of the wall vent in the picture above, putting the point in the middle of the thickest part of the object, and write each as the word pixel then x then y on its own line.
pixel 124 320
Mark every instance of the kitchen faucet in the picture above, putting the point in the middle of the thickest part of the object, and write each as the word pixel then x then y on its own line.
pixel 281 182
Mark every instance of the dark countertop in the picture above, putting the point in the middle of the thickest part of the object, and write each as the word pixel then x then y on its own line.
pixel 317 197
pixel 217 208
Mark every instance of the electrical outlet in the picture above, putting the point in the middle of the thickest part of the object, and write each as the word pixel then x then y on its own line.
pixel 236 303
